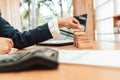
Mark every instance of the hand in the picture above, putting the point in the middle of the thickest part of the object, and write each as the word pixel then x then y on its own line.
pixel 69 22
pixel 6 45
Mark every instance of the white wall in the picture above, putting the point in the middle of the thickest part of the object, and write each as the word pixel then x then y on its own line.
pixel 105 26
pixel 116 7
pixel 99 2
pixel 104 12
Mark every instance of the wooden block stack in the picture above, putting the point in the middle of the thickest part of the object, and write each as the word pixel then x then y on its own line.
pixel 81 41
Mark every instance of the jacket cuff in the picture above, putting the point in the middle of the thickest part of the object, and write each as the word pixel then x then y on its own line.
pixel 54 29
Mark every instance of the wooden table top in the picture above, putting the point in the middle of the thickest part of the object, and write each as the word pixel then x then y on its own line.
pixel 70 71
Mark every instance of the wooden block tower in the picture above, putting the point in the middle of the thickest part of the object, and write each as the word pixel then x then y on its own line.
pixel 81 40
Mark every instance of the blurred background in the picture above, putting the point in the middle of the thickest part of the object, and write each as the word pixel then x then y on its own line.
pixel 37 12
pixel 103 22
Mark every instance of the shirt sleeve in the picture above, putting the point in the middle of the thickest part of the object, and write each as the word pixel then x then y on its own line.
pixel 54 29
pixel 26 38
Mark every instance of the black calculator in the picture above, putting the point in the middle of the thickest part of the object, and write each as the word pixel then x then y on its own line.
pixel 42 58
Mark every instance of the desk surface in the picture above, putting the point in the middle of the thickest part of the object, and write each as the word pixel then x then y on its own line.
pixel 70 71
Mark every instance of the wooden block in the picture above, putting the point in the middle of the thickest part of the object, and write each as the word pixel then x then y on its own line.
pixel 85 45
pixel 82 37
pixel 83 41
pixel 78 30
pixel 75 44
pixel 79 33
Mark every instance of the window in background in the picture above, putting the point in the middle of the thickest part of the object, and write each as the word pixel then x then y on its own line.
pixel 37 12
pixel 107 22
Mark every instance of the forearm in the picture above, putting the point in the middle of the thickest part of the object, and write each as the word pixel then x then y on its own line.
pixel 31 37
pixel 27 38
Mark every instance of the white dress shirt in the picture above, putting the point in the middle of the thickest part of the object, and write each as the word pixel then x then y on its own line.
pixel 54 28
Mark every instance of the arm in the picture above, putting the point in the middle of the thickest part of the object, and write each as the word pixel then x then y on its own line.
pixel 34 36
pixel 27 38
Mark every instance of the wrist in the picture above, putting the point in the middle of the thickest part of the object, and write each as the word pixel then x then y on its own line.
pixel 61 23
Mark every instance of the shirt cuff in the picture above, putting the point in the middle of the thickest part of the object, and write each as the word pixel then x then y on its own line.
pixel 54 29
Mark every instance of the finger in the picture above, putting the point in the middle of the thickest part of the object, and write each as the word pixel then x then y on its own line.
pixel 6 50
pixel 75 21
pixel 11 42
pixel 75 26
pixel 69 27
pixel 9 47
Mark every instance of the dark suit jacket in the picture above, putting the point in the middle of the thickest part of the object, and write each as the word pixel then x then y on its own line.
pixel 26 38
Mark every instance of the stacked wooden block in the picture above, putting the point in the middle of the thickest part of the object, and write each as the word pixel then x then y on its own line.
pixel 81 40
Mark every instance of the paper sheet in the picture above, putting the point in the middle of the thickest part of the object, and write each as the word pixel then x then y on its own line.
pixel 109 58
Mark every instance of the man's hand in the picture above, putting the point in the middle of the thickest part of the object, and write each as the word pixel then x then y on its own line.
pixel 69 22
pixel 6 45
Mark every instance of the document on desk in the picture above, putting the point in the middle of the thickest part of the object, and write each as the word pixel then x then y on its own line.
pixel 106 58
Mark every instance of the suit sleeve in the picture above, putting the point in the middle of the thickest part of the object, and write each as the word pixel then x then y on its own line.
pixel 26 38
